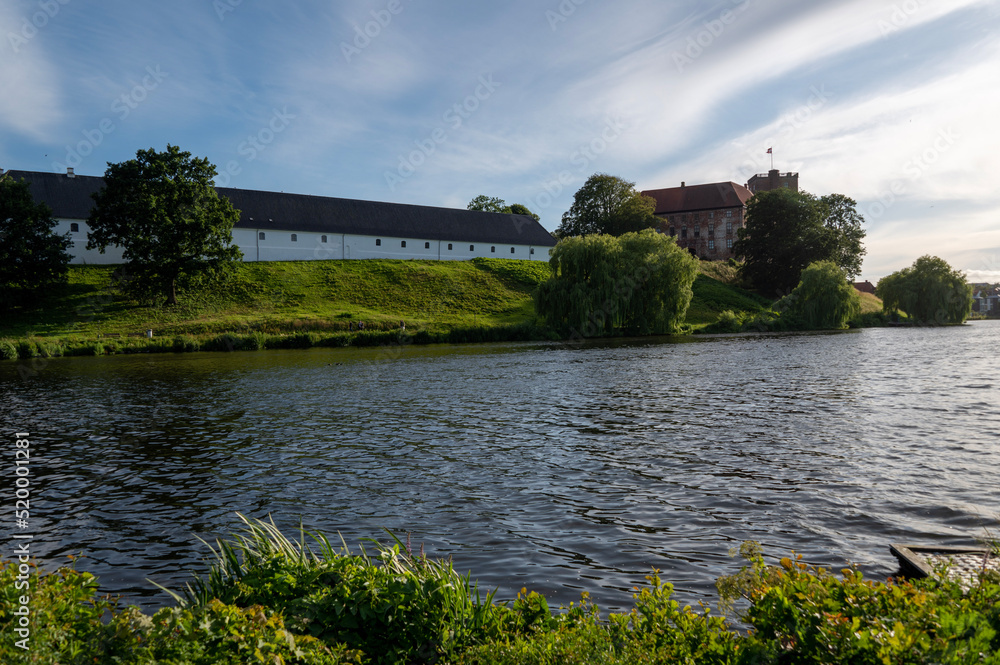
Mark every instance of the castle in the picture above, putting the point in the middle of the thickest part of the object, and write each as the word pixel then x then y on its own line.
pixel 705 218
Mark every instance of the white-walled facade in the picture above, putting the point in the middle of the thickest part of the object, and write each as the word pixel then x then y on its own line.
pixel 77 231
pixel 275 226
pixel 272 245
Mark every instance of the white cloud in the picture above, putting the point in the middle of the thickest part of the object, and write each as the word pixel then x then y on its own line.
pixel 30 103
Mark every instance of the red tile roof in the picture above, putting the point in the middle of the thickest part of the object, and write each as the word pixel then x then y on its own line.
pixel 699 197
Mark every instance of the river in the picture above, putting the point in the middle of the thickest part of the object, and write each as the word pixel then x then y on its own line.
pixel 555 467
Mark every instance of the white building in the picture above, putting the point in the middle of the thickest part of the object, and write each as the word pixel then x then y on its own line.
pixel 275 226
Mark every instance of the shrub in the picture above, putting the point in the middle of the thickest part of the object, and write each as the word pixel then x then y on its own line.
pixel 186 344
pixel 394 607
pixel 728 322
pixel 823 299
pixel 8 349
pixel 803 614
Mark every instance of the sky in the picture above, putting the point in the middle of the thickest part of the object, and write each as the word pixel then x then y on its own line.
pixel 433 102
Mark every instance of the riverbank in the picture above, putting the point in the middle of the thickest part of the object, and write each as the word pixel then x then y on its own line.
pixel 323 303
pixel 267 598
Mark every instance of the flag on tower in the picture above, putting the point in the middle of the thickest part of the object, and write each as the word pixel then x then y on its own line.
pixel 769 151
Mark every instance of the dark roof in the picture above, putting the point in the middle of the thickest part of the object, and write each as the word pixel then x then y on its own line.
pixel 70 198
pixel 700 197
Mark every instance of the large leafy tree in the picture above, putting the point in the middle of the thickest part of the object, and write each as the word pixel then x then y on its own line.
pixel 637 283
pixel 162 209
pixel 844 225
pixel 786 231
pixel 32 257
pixel 609 205
pixel 929 291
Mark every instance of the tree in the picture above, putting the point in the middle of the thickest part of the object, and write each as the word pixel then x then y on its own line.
pixel 607 205
pixel 32 257
pixel 638 283
pixel 162 209
pixel 844 222
pixel 824 299
pixel 488 204
pixel 494 204
pixel 520 209
pixel 786 231
pixel 929 291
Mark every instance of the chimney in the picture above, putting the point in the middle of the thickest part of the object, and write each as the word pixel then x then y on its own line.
pixel 69 172
pixel 682 183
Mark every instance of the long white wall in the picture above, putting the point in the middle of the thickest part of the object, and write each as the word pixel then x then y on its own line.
pixel 271 245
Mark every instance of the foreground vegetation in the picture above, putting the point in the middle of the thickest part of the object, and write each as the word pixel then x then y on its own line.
pixel 268 599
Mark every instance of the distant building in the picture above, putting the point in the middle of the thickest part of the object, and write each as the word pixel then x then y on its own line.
pixel 275 226
pixel 865 287
pixel 773 179
pixel 987 301
pixel 703 218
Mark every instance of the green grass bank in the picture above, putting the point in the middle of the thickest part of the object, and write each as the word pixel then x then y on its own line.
pixel 299 304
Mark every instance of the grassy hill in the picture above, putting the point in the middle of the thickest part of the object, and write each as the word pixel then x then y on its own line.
pixel 295 296
pixel 268 304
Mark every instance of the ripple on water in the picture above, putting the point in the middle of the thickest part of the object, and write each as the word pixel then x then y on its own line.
pixel 564 470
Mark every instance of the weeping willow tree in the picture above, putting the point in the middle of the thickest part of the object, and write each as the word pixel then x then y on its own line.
pixel 929 291
pixel 637 283
pixel 823 299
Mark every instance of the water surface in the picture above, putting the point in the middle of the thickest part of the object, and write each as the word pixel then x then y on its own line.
pixel 559 468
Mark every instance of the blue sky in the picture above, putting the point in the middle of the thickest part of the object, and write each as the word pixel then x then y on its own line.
pixel 893 103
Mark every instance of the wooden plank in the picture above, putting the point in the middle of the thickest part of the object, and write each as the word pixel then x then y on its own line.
pixel 964 562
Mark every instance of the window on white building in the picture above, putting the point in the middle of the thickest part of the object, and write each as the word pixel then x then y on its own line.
pixel 427 245
pixel 260 236
pixel 532 251
pixel 449 247
pixel 493 249
pixel 74 227
pixel 322 239
pixel 295 237
pixel 472 248
pixel 511 250
pixel 378 242
pixel 403 244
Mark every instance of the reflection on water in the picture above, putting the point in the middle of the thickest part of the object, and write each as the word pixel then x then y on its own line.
pixel 557 468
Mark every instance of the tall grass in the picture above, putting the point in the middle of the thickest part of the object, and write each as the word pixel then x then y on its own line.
pixel 393 605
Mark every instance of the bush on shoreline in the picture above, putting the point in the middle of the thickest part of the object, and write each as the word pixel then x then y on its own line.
pixel 268 599
pixel 35 347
